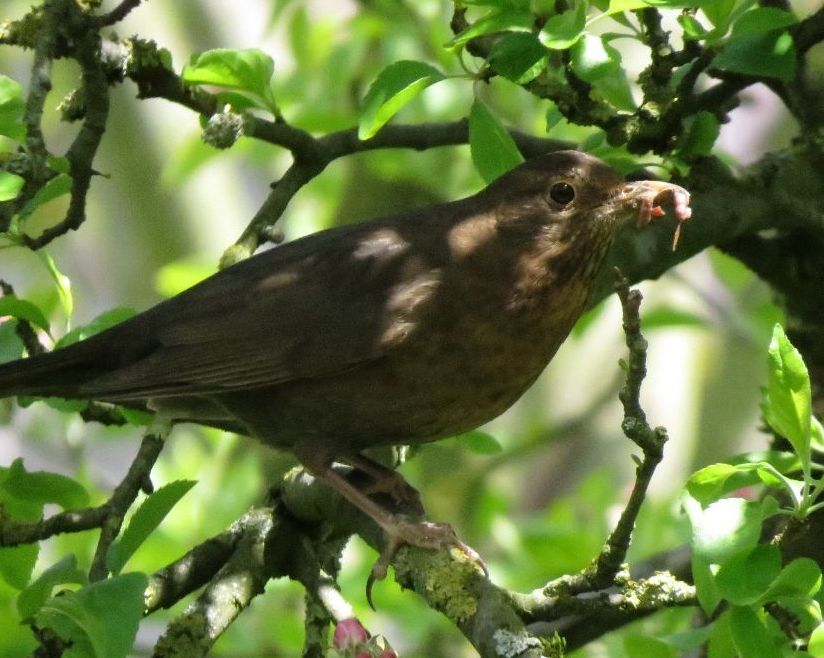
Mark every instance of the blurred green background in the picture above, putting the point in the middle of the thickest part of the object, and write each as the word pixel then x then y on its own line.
pixel 168 205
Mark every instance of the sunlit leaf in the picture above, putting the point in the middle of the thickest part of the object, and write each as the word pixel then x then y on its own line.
pixel 100 323
pixel 481 443
pixel 99 620
pixel 23 310
pixel 787 400
pixel 504 20
pixel 394 87
pixel 493 150
pixel 10 185
pixel 148 516
pixel 725 527
pixel 248 71
pixel 564 29
pixel 11 109
pixel 175 277
pixel 816 645
pixel 54 188
pixel 62 283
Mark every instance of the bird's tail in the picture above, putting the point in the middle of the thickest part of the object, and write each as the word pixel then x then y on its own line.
pixel 54 374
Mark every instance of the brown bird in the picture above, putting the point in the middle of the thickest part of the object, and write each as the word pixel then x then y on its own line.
pixel 406 329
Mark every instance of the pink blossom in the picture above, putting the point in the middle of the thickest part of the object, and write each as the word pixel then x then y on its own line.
pixel 349 634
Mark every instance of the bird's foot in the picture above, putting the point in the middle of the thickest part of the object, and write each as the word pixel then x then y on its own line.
pixel 421 534
pixel 388 482
pixel 399 490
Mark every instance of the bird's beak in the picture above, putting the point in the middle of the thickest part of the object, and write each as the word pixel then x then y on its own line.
pixel 647 196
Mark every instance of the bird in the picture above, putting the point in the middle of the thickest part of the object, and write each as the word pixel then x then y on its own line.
pixel 401 330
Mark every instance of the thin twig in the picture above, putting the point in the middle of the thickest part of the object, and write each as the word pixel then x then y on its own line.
pixel 16 534
pixel 118 13
pixel 122 498
pixel 635 427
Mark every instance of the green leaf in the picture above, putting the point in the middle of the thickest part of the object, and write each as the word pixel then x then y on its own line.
pixel 751 637
pixel 11 347
pixel 62 283
pixel 147 517
pixel 701 135
pixel 518 57
pixel 394 87
pixel 501 4
pixel 100 620
pixel 23 310
pixel 137 417
pixel 815 647
pixel 563 30
pixel 481 443
pixel 800 578
pixel 17 564
pixel 41 487
pixel 786 405
pixel 692 27
pixel 816 434
pixel 10 185
pixel 247 71
pixel 54 188
pixel 767 54
pixel 31 599
pixel 719 13
pixel 669 316
pixel 14 506
pixel 616 91
pixel 505 20
pixel 782 460
pixel 720 644
pixel 177 276
pixel 725 527
pixel 710 483
pixel 745 577
pixel 593 58
pixel 644 646
pixel 763 19
pixel 679 4
pixel 617 6
pixel 705 588
pixel 103 321
pixel 492 147
pixel 11 109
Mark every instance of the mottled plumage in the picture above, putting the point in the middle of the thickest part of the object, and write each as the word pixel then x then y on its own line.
pixel 404 329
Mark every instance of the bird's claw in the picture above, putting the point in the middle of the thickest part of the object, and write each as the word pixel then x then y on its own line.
pixel 421 534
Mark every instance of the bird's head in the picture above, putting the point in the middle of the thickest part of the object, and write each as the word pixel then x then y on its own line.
pixel 579 193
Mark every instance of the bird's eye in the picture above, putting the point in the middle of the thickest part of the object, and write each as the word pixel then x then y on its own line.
pixel 562 193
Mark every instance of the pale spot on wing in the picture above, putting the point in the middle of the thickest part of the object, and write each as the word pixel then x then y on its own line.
pixel 406 305
pixel 381 244
pixel 279 280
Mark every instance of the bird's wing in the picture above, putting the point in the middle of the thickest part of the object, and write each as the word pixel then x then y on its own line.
pixel 306 309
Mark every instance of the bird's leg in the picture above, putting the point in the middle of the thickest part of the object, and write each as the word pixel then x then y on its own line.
pixel 387 481
pixel 398 529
